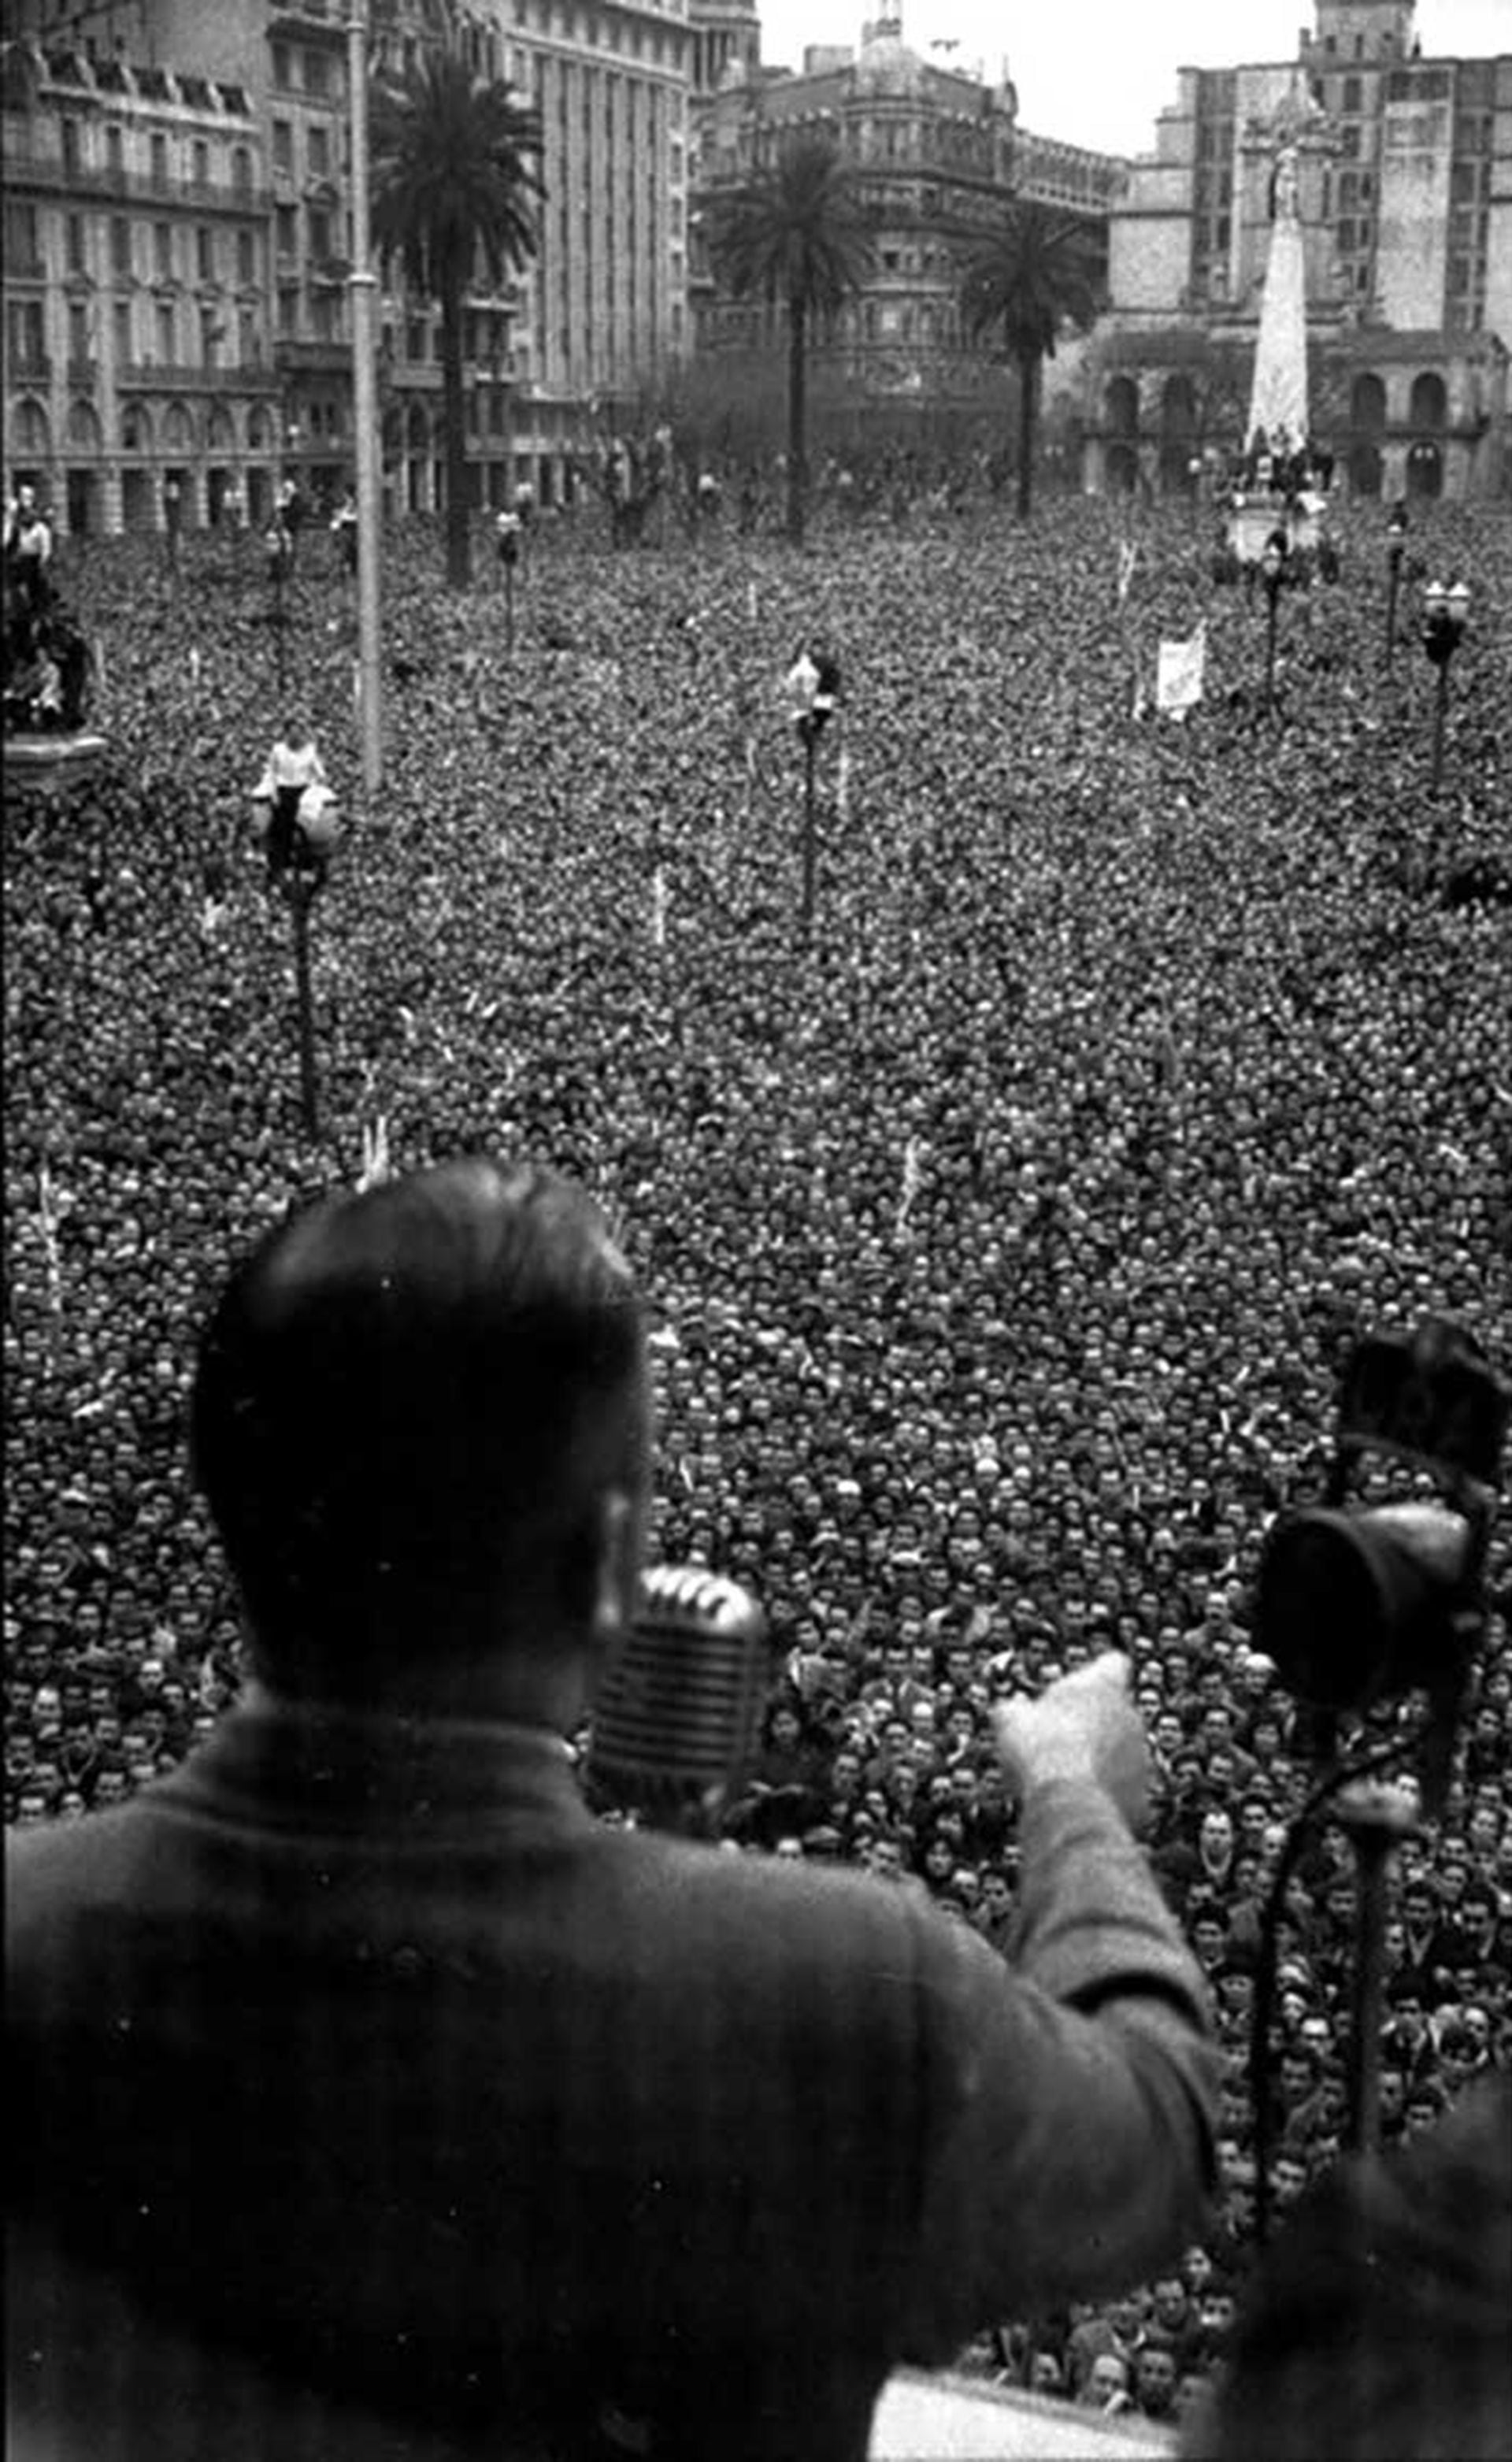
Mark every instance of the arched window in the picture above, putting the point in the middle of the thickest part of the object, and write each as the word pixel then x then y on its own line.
pixel 178 429
pixel 1365 470
pixel 1123 469
pixel 1430 403
pixel 83 428
pixel 1178 407
pixel 259 430
pixel 1121 406
pixel 1425 472
pixel 136 429
pixel 30 433
pixel 1368 405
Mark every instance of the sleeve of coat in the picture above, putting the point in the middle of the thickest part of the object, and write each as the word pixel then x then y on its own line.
pixel 1069 2094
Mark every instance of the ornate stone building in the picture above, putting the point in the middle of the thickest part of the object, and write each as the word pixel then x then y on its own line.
pixel 235 270
pixel 138 369
pixel 1406 204
pixel 940 159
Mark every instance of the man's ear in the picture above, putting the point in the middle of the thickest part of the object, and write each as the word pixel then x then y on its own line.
pixel 617 1569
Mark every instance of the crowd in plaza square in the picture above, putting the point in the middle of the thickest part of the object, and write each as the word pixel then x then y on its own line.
pixel 1002 1231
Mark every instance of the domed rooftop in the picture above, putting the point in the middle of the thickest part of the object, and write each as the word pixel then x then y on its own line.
pixel 886 65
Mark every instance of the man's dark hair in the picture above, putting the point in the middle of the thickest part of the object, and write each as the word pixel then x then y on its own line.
pixel 407 1407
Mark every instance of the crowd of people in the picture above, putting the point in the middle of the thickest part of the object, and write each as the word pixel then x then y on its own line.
pixel 1004 1231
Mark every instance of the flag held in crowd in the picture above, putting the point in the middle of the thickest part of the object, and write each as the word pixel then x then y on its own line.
pixel 376 1165
pixel 1180 672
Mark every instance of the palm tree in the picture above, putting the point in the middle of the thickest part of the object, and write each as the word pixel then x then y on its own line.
pixel 798 235
pixel 1032 278
pixel 453 184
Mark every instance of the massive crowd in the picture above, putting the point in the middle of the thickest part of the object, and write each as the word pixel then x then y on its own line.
pixel 1002 1234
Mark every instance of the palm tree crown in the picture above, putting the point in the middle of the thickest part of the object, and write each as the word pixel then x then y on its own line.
pixel 798 234
pixel 1030 279
pixel 455 187
pixel 796 231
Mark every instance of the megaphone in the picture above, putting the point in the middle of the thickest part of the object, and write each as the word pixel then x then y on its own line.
pixel 1358 1608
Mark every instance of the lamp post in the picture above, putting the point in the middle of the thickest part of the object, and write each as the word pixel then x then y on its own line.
pixel 1396 542
pixel 362 284
pixel 507 527
pixel 1445 615
pixel 280 547
pixel 301 880
pixel 814 689
pixel 1272 575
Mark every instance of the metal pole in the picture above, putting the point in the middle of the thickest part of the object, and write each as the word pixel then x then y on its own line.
pixel 810 849
pixel 1441 713
pixel 509 609
pixel 1392 585
pixel 301 892
pixel 362 284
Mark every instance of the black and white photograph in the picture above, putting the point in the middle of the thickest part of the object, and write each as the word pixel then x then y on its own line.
pixel 757 976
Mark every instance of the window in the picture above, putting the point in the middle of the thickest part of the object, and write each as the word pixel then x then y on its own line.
pixel 245 257
pixel 78 336
pixel 286 232
pixel 23 337
pixel 283 146
pixel 204 254
pixel 241 170
pixel 282 78
pixel 73 241
pixel 21 250
pixel 159 162
pixel 121 323
pixel 320 233
pixel 163 252
pixel 115 148
pixel 317 72
pixel 211 330
pixel 121 245
pixel 199 162
pixel 69 135
pixel 165 328
pixel 288 310
pixel 318 141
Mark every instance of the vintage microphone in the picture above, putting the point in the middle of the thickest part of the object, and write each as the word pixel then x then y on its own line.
pixel 675 1714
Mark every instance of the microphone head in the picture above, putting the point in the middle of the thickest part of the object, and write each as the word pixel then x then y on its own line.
pixel 675 1714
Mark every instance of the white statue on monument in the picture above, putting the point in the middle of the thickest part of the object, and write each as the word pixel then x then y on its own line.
pixel 1278 404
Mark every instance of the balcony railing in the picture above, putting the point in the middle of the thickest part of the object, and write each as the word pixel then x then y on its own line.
pixel 171 375
pixel 26 170
pixel 83 375
pixel 29 367
pixel 311 357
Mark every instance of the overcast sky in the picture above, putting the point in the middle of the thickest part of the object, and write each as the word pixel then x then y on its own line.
pixel 1096 72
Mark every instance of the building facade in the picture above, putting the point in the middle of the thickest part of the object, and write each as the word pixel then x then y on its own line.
pixel 934 153
pixel 1405 170
pixel 600 308
pixel 941 160
pixel 140 384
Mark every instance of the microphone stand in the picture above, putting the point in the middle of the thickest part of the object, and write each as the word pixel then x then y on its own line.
pixel 1377 1817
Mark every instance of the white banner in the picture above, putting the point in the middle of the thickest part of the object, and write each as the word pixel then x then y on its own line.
pixel 1179 670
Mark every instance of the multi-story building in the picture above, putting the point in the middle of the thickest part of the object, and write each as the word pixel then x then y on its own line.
pixel 941 160
pixel 138 381
pixel 934 152
pixel 601 306
pixel 1406 201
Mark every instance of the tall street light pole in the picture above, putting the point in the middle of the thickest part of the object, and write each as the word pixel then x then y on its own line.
pixel 1396 542
pixel 1445 615
pixel 1272 575
pixel 362 284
